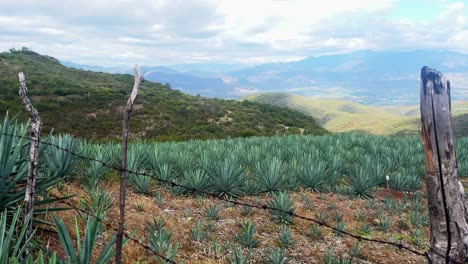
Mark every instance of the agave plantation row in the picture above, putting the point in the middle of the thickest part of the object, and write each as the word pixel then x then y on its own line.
pixel 342 163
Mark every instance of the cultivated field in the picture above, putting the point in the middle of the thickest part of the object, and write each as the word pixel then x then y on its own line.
pixel 180 193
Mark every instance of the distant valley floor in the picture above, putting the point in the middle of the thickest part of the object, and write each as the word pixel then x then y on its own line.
pixel 347 116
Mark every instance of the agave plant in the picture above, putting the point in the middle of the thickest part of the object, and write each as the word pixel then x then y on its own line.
pixel 404 182
pixel 14 166
pixel 238 257
pixel 142 184
pixel 246 235
pixel 312 176
pixel 272 175
pixel 161 242
pixel 99 201
pixel 95 169
pixel 83 254
pixel 60 158
pixel 276 256
pixel 285 238
pixel 330 258
pixel 136 156
pixel 251 187
pixel 196 180
pixel 39 260
pixel 12 245
pixel 158 157
pixel 227 178
pixel 183 162
pixel 252 156
pixel 164 173
pixel 362 183
pixel 13 162
pixel 205 160
pixel 284 205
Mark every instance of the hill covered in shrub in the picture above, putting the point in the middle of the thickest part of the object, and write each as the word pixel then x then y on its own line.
pixel 89 104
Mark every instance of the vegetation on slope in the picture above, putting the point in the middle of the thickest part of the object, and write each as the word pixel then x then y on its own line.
pixel 346 116
pixel 89 104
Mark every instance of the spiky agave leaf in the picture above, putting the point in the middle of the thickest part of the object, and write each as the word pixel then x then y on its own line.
pixel 83 254
pixel 196 180
pixel 12 236
pixel 160 240
pixel 95 169
pixel 61 161
pixel 285 205
pixel 158 156
pixel 141 183
pixel 362 183
pixel 272 175
pixel 405 182
pixel 14 157
pixel 227 178
pixel 312 174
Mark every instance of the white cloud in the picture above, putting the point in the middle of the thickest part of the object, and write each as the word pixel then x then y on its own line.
pixel 124 32
pixel 246 91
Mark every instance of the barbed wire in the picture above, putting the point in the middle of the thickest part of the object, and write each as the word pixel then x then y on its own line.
pixel 398 245
pixel 108 225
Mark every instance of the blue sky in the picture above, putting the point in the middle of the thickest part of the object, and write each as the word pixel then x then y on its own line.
pixel 420 10
pixel 164 32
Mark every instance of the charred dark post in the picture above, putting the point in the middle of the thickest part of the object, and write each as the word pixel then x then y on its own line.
pixel 35 131
pixel 449 228
pixel 123 166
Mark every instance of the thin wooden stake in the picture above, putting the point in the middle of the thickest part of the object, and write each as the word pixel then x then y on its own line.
pixel 123 166
pixel 449 227
pixel 35 131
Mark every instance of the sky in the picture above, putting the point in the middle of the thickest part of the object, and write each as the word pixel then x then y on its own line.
pixel 165 32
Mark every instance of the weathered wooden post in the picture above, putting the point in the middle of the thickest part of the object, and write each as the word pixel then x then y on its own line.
pixel 35 131
pixel 449 228
pixel 123 166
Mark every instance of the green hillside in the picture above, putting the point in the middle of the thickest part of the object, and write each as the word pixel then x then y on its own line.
pixel 344 116
pixel 89 104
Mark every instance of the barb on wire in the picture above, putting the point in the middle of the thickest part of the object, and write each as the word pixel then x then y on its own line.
pixel 234 202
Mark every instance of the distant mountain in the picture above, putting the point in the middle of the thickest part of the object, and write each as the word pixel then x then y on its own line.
pixel 93 67
pixel 347 116
pixel 89 104
pixel 367 77
pixel 208 69
pixel 191 84
pixel 372 78
pixel 204 81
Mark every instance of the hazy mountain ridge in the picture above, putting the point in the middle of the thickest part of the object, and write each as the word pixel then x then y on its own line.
pixel 368 77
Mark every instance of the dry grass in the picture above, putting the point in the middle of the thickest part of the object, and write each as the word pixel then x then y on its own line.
pixel 182 213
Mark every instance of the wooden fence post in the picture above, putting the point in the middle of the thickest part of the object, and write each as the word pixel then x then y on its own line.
pixel 446 199
pixel 35 131
pixel 123 166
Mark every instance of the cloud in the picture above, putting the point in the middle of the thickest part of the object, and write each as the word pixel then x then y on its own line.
pixel 245 91
pixel 162 32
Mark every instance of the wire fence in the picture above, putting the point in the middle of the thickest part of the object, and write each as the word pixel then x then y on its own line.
pixel 398 245
pixel 108 225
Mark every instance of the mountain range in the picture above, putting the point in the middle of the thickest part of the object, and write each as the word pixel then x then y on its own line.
pixel 376 78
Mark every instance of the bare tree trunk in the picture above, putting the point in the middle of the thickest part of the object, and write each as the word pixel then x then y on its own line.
pixel 35 131
pixel 123 166
pixel 449 227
